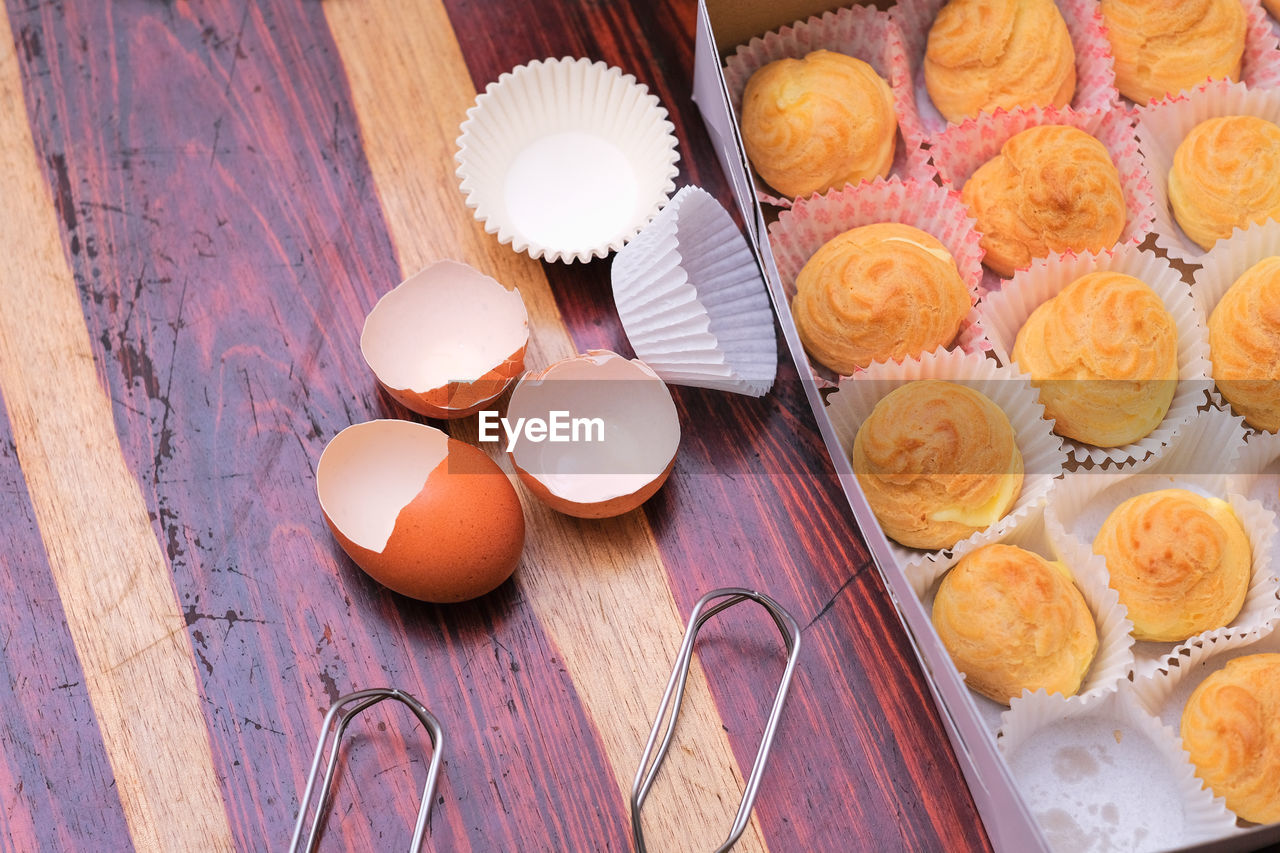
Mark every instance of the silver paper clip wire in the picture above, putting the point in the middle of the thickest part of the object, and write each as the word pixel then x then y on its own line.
pixel 669 710
pixel 343 711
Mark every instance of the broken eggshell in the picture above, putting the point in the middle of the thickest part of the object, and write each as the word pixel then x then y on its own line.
pixel 604 469
pixel 423 514
pixel 447 340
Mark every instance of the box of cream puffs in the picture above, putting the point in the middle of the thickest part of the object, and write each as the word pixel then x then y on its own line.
pixel 1026 257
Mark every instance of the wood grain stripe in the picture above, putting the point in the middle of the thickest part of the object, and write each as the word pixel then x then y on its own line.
pixel 596 586
pixel 110 573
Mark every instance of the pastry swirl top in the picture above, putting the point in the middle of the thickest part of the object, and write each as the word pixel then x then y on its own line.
pixel 1231 729
pixel 1013 621
pixel 1162 47
pixel 820 122
pixel 937 462
pixel 1180 562
pixel 1244 343
pixel 1051 188
pixel 1104 354
pixel 1225 174
pixel 878 292
pixel 986 54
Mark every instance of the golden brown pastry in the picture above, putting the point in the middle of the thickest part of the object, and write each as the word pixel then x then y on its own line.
pixel 1225 174
pixel 1162 47
pixel 1244 344
pixel 1231 729
pixel 985 54
pixel 879 292
pixel 1013 621
pixel 1273 6
pixel 937 462
pixel 1180 562
pixel 1050 189
pixel 1104 354
pixel 819 122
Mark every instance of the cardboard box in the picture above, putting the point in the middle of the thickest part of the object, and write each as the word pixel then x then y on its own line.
pixel 722 24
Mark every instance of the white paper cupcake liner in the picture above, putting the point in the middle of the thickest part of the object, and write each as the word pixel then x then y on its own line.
pixel 962 148
pixel 1099 772
pixel 1257 471
pixel 858 31
pixel 1114 659
pixel 693 302
pixel 810 223
pixel 1042 454
pixel 1226 262
pixel 1095 70
pixel 566 159
pixel 1260 65
pixel 1003 313
pixel 1162 127
pixel 1081 504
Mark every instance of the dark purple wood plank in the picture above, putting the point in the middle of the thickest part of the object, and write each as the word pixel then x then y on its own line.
pixel 227 242
pixel 862 759
pixel 57 784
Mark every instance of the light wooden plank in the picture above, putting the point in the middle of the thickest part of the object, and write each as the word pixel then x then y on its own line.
pixel 598 588
pixel 113 579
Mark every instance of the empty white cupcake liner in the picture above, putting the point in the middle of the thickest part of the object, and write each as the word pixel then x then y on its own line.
pixel 1003 313
pixel 1162 127
pixel 1226 262
pixel 1080 505
pixel 1095 69
pixel 693 302
pixel 1042 454
pixel 566 159
pixel 801 231
pixel 1114 659
pixel 859 31
pixel 962 148
pixel 1100 772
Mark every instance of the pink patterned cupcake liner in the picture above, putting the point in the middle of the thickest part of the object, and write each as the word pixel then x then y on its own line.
pixel 1095 72
pixel 858 31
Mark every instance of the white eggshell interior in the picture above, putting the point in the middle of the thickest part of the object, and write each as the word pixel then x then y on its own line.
pixel 641 428
pixel 371 471
pixel 446 323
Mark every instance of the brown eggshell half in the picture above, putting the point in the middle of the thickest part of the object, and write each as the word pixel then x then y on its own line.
pixel 597 479
pixel 457 537
pixel 447 340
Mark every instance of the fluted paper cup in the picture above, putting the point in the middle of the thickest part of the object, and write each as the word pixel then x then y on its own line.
pixel 1002 314
pixel 1114 659
pixel 1257 471
pixel 1163 126
pixel 1099 772
pixel 1226 262
pixel 693 302
pixel 1095 70
pixel 1212 443
pixel 566 159
pixel 1042 454
pixel 858 31
pixel 801 231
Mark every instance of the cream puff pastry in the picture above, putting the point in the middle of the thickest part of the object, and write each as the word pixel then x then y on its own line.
pixel 987 54
pixel 879 292
pixel 937 461
pixel 1013 621
pixel 1231 730
pixel 1180 562
pixel 1104 355
pixel 1164 48
pixel 1225 174
pixel 1050 189
pixel 1244 344
pixel 819 122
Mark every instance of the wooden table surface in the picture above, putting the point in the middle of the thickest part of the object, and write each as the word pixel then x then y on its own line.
pixel 199 202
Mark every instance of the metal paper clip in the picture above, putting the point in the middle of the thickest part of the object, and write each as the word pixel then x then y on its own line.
pixel 362 700
pixel 650 762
